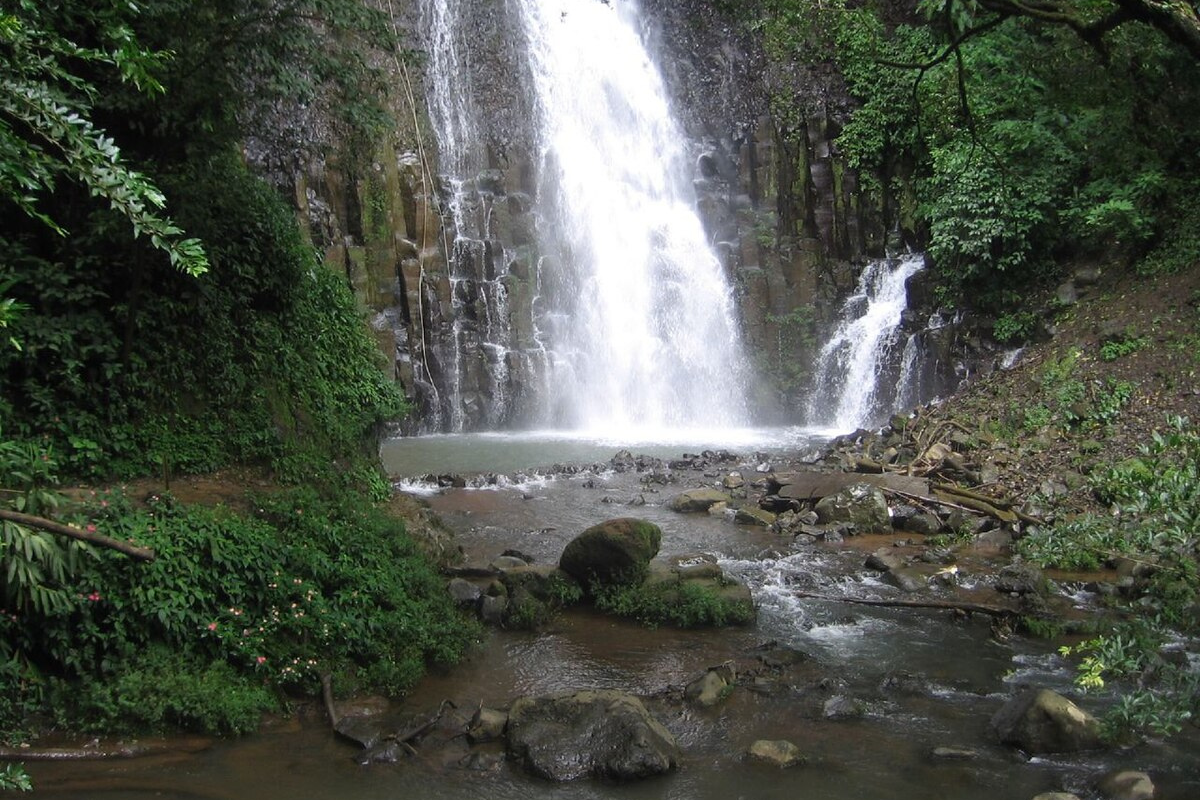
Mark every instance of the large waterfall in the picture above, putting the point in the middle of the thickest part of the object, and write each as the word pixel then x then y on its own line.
pixel 632 322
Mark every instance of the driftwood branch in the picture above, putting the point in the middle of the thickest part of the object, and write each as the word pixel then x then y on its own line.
pixel 917 498
pixel 327 696
pixel 406 737
pixel 945 605
pixel 50 526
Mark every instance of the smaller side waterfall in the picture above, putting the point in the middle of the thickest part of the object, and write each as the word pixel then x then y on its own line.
pixel 862 371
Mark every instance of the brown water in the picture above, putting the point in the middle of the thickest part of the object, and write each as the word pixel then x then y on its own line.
pixel 853 650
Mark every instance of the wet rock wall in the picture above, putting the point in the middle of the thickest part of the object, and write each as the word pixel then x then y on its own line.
pixel 452 309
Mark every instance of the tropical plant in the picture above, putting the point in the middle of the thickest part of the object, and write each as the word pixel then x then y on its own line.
pixel 46 130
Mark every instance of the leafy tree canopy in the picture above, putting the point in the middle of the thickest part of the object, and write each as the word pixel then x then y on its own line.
pixel 46 130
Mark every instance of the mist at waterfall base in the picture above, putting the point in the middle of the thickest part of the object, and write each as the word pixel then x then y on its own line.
pixel 868 368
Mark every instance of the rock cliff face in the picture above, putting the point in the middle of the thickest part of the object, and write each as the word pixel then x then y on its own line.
pixel 441 247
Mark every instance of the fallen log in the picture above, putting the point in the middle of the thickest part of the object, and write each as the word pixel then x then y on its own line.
pixel 50 526
pixel 944 605
pixel 916 498
pixel 999 502
pixel 979 506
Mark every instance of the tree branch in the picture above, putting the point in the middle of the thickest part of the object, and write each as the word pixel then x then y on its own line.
pixel 50 526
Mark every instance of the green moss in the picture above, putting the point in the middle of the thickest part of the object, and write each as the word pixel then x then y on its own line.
pixel 680 604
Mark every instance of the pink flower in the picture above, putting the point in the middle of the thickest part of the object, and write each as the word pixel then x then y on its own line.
pixel 94 597
pixel 261 660
pixel 91 528
pixel 212 626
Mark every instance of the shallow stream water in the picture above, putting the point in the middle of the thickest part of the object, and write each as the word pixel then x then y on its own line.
pixel 874 655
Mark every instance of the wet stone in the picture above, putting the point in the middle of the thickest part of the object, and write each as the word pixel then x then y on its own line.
pixel 778 752
pixel 463 592
pixel 1126 785
pixel 953 754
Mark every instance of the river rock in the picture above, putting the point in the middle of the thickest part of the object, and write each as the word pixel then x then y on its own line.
pixel 885 559
pixel 778 752
pixel 463 592
pixel 749 515
pixel 695 501
pixel 907 579
pixel 707 690
pixel 841 706
pixel 1125 784
pixel 924 523
pixel 861 505
pixel 502 563
pixel 613 552
pixel 602 733
pixel 697 565
pixel 951 753
pixel 487 725
pixel 1042 721
pixel 1022 579
pixel 1056 796
pixel 491 609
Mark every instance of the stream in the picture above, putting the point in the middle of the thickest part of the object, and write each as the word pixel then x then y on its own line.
pixel 924 679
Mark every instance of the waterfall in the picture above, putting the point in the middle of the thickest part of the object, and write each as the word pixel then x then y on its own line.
pixel 632 321
pixel 858 375
pixel 474 353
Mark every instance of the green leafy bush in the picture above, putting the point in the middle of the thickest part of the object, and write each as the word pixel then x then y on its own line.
pixel 682 604
pixel 1155 524
pixel 1015 326
pixel 302 588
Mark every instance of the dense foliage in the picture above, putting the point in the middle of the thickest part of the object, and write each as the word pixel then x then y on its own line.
pixel 121 364
pixel 237 611
pixel 1009 142
pixel 140 352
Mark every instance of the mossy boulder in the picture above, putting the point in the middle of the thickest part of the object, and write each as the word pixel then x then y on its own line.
pixel 616 552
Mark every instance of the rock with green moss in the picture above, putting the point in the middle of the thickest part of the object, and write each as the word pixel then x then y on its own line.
pixel 616 552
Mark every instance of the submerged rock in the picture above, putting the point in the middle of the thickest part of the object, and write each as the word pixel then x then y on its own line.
pixel 1042 721
pixel 777 752
pixel 603 733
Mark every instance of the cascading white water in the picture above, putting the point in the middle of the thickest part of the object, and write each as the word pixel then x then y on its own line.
pixel 851 366
pixel 479 334
pixel 637 311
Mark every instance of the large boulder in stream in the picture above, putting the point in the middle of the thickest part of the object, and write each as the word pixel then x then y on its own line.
pixel 1041 721
pixel 602 733
pixel 613 552
pixel 861 505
